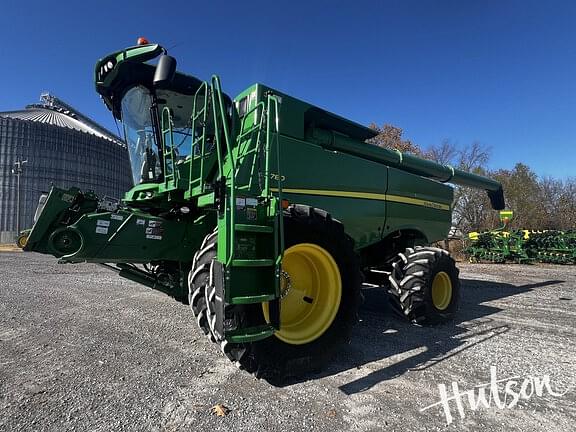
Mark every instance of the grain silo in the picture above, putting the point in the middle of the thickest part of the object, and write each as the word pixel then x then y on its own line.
pixel 51 143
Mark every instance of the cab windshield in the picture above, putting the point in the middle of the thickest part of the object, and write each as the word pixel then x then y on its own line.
pixel 184 140
pixel 139 133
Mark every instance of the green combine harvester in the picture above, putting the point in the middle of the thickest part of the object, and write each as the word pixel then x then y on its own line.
pixel 263 212
pixel 521 246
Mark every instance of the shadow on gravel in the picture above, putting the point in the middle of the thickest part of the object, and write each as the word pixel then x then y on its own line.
pixel 380 334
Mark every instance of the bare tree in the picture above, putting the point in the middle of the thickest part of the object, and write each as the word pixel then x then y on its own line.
pixel 562 205
pixel 445 153
pixel 525 196
pixel 471 206
pixel 551 192
pixel 473 157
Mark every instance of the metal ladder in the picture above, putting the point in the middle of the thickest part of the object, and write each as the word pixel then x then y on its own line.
pixel 250 221
pixel 250 240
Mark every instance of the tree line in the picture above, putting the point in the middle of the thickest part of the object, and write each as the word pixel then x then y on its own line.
pixel 538 202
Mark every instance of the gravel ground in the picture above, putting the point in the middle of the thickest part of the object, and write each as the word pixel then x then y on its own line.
pixel 82 349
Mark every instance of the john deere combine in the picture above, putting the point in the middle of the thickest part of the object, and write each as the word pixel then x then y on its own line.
pixel 262 212
pixel 522 246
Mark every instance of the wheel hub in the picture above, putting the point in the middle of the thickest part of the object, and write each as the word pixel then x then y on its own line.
pixel 285 284
pixel 441 290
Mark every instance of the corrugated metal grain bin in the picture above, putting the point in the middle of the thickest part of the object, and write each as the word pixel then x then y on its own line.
pixel 62 147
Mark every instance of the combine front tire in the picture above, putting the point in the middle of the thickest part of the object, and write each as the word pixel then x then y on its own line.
pixel 198 279
pixel 424 285
pixel 319 305
pixel 22 240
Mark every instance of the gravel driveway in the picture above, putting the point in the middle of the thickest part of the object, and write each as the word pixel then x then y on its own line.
pixel 82 349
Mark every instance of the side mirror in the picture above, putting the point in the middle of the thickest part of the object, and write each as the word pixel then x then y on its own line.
pixel 165 71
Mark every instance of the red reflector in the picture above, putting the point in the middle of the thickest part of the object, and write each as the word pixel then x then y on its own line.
pixel 285 204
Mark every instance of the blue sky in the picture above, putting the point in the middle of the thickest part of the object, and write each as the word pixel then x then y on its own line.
pixel 499 72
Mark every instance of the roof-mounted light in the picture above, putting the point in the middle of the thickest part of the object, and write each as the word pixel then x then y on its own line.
pixel 106 67
pixel 142 41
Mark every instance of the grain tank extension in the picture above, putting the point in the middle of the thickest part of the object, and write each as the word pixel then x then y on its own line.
pixel 263 212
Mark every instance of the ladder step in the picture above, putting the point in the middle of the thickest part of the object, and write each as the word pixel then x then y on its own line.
pixel 250 334
pixel 254 228
pixel 252 263
pixel 252 299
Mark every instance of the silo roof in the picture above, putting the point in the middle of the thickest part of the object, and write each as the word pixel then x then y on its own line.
pixel 56 115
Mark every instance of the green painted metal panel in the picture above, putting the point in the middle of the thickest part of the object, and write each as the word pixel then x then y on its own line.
pixel 321 178
pixel 431 211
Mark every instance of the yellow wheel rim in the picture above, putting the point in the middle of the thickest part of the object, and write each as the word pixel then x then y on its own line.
pixel 312 290
pixel 441 290
pixel 22 240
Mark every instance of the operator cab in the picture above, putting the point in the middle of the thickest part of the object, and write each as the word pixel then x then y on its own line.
pixel 130 89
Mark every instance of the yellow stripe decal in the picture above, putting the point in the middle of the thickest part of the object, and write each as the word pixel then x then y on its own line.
pixel 416 201
pixel 368 195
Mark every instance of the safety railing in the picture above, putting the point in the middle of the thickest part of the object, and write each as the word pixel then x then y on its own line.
pixel 170 172
pixel 198 143
pixel 250 140
pixel 272 136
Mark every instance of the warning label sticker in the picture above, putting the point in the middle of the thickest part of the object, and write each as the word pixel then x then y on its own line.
pixel 101 230
pixel 154 237
pixel 103 223
pixel 116 217
pixel 252 202
pixel 155 230
pixel 140 222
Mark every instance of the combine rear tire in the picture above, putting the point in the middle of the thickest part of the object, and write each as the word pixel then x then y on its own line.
pixel 424 285
pixel 319 306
